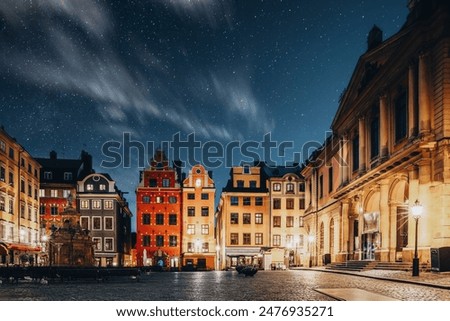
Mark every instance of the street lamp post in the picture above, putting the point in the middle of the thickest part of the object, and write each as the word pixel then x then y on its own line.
pixel 417 211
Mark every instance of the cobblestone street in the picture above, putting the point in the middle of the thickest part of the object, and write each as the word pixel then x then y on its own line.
pixel 296 285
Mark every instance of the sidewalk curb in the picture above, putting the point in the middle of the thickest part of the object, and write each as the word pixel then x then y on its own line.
pixel 437 286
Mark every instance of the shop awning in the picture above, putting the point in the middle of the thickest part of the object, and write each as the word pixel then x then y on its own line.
pixel 242 251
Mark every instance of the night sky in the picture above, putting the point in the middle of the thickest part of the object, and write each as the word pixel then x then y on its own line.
pixel 75 74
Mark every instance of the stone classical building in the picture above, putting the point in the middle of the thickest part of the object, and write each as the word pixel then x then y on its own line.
pixel 198 241
pixel 389 147
pixel 20 241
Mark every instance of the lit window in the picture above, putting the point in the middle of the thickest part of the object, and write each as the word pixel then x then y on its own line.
pixel 277 240
pixel 84 204
pixel 98 243
pixel 190 229
pixel 109 244
pixel 108 204
pixel 96 204
pixel 102 187
pixel 89 187
pixel 258 238
pixel 205 229
pixel 258 218
pixel 276 187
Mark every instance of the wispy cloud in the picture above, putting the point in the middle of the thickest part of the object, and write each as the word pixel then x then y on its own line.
pixel 239 101
pixel 88 14
pixel 214 11
pixel 126 97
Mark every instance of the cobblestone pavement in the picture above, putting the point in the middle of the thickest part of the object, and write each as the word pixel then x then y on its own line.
pixel 294 285
pixel 433 279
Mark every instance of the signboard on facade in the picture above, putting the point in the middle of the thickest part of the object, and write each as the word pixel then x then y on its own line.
pixel 371 222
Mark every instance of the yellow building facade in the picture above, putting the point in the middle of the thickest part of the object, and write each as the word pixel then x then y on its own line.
pixel 198 241
pixel 243 219
pixel 20 241
pixel 287 206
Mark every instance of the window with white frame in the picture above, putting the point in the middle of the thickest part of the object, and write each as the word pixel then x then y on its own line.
pixel 84 204
pixel 276 187
pixel 89 187
pixel 97 243
pixel 66 193
pixel 108 223
pixel 96 223
pixel 205 229
pixel 277 240
pixel 84 222
pixel 42 192
pixel 108 204
pixel 96 204
pixel 102 187
pixel 109 244
pixel 54 193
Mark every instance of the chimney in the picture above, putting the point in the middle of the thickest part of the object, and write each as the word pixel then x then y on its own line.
pixel 53 155
pixel 375 37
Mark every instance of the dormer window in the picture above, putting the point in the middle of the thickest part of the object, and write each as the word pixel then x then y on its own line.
pixel 67 176
pixel 89 187
pixel 246 170
pixel 289 188
pixel 48 175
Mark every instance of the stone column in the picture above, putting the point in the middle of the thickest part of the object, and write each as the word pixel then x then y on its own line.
pixel 424 96
pixel 412 101
pixel 362 145
pixel 344 168
pixel 384 127
pixel 384 220
pixel 344 230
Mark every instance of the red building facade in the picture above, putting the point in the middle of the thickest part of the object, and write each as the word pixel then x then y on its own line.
pixel 158 217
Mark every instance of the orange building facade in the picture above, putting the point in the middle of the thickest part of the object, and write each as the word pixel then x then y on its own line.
pixel 158 207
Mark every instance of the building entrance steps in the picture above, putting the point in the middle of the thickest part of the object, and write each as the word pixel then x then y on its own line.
pixel 354 294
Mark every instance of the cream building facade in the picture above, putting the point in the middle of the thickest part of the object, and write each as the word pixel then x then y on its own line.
pixel 243 219
pixel 389 148
pixel 198 241
pixel 20 239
